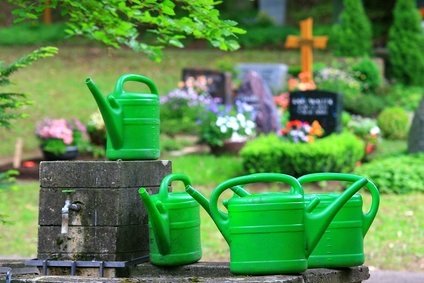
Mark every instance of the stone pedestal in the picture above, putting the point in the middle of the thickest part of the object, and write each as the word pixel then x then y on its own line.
pixel 111 224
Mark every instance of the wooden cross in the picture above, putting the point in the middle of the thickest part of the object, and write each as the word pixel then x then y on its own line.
pixel 306 42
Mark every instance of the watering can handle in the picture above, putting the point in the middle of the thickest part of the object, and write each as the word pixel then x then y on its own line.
pixel 296 188
pixel 366 217
pixel 163 189
pixel 119 87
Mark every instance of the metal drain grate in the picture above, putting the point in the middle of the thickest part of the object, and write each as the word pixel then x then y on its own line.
pixel 73 265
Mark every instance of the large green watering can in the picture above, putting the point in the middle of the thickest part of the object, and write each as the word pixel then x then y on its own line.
pixel 132 119
pixel 272 233
pixel 342 244
pixel 174 223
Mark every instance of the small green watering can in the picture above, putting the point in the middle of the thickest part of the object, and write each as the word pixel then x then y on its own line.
pixel 174 224
pixel 272 233
pixel 342 244
pixel 132 120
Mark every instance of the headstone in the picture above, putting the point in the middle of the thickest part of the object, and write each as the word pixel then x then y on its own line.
pixel 275 9
pixel 219 83
pixel 323 106
pixel 416 133
pixel 257 93
pixel 274 75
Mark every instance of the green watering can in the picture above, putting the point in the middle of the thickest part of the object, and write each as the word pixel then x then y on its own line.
pixel 132 120
pixel 342 244
pixel 174 223
pixel 272 233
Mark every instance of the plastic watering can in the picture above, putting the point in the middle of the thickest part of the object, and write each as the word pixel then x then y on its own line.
pixel 273 233
pixel 174 224
pixel 132 120
pixel 342 244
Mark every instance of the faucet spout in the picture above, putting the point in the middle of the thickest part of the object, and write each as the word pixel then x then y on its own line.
pixel 65 216
pixel 65 210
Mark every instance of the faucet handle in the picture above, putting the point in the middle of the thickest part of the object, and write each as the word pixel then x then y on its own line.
pixel 68 191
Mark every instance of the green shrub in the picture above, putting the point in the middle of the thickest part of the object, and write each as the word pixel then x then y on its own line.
pixel 265 36
pixel 368 74
pixel 367 105
pixel 32 34
pixel 407 97
pixel 335 153
pixel 398 174
pixel 334 79
pixel 352 36
pixel 393 123
pixel 405 43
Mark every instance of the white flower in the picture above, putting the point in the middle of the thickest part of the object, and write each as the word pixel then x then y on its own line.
pixel 375 130
pixel 221 121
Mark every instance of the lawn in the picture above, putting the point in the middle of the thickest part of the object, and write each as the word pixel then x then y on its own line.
pixel 393 242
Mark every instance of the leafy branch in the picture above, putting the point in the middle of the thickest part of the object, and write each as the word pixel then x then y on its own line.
pixel 118 23
pixel 10 101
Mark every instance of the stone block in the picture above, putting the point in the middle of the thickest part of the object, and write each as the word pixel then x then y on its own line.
pixel 111 224
pixel 103 174
pixel 93 243
pixel 96 206
pixel 416 132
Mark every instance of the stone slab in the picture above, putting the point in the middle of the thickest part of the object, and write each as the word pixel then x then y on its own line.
pixel 211 272
pixel 274 75
pixel 103 174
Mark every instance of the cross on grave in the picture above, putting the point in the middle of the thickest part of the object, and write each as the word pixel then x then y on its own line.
pixel 306 42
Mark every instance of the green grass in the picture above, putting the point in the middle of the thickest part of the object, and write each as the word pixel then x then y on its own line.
pixel 57 85
pixel 393 242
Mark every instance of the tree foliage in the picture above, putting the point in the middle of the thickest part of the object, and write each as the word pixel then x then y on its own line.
pixel 352 36
pixel 405 44
pixel 11 101
pixel 118 23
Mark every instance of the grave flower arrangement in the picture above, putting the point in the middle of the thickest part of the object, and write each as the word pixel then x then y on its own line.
pixel 96 129
pixel 181 107
pixel 56 135
pixel 222 123
pixel 367 130
pixel 298 131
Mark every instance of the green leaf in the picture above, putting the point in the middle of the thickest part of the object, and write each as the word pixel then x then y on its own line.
pixel 176 42
pixel 168 11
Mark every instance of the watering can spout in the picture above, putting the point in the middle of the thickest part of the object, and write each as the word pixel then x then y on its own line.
pixel 199 198
pixel 159 221
pixel 111 112
pixel 317 223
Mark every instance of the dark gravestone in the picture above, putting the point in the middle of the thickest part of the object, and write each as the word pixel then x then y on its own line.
pixel 218 83
pixel 256 92
pixel 274 75
pixel 416 133
pixel 323 106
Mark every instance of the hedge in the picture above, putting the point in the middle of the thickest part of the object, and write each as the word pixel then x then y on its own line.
pixel 398 174
pixel 335 153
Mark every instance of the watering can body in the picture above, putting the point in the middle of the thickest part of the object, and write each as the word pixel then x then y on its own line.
pixel 174 225
pixel 272 233
pixel 342 244
pixel 132 120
